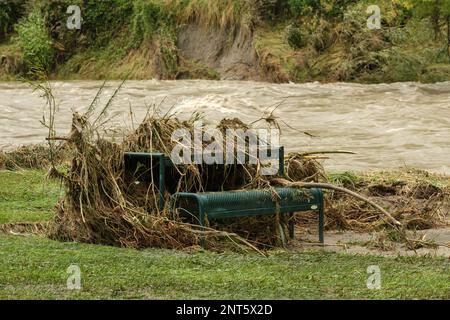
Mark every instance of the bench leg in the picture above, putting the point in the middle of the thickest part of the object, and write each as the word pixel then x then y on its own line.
pixel 291 224
pixel 321 222
pixel 202 224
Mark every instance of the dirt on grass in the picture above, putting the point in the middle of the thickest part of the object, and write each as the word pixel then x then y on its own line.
pixel 435 242
pixel 24 228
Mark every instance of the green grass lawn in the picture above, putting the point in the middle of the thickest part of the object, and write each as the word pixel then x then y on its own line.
pixel 26 196
pixel 35 267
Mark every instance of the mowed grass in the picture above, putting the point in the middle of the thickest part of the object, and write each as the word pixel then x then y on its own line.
pixel 33 267
pixel 27 196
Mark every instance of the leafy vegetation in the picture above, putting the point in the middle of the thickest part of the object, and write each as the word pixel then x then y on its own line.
pixel 436 11
pixel 147 19
pixel 295 37
pixel 35 41
pixel 326 40
pixel 10 12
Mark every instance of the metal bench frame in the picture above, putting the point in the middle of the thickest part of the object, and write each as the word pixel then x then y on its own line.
pixel 203 202
pixel 163 162
pixel 202 199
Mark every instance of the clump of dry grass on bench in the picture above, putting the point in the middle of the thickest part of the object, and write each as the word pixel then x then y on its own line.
pixel 418 199
pixel 104 204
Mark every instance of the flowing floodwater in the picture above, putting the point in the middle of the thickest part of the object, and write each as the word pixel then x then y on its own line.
pixel 387 125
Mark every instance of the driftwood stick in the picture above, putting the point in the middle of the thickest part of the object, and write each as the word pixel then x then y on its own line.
pixel 299 184
pixel 327 152
pixel 57 139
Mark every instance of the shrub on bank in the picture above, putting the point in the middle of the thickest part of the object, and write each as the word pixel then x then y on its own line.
pixel 35 41
pixel 10 12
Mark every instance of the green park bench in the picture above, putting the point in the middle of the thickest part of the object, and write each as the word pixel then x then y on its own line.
pixel 207 206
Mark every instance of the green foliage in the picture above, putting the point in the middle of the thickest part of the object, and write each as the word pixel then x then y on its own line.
pixel 168 50
pixel 35 41
pixel 100 19
pixel 152 23
pixel 336 8
pixel 295 38
pixel 270 10
pixel 425 8
pixel 433 9
pixel 302 7
pixel 10 12
pixel 148 17
pixel 326 8
pixel 322 38
pixel 435 73
pixel 55 13
pixel 436 10
pixel 102 22
pixel 103 19
pixel 397 65
pixel 325 40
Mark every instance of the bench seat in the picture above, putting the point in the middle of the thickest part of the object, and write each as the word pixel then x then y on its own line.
pixel 228 204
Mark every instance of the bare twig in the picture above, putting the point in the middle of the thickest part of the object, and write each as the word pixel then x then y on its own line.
pixel 288 183
pixel 326 152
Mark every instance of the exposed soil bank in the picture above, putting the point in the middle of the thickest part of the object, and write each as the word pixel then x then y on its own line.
pixel 232 61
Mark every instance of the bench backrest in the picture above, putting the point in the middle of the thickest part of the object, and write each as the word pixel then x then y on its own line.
pixel 132 159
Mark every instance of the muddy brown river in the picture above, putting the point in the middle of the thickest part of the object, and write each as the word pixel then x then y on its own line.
pixel 387 125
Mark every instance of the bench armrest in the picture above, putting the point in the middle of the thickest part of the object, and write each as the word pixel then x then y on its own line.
pixel 198 198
